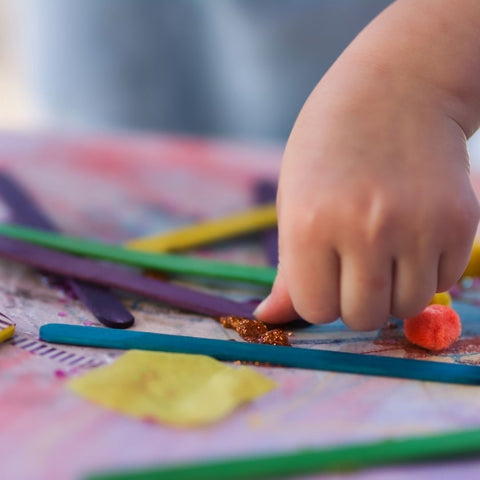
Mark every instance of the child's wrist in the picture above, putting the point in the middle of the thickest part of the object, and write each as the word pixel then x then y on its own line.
pixel 429 49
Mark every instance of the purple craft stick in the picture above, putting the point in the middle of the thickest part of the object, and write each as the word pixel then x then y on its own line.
pixel 103 304
pixel 113 276
pixel 266 192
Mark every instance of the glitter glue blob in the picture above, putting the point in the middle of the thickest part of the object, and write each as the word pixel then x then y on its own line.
pixel 274 337
pixel 255 331
pixel 436 328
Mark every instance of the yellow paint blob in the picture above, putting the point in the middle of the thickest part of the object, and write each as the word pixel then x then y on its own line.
pixel 176 389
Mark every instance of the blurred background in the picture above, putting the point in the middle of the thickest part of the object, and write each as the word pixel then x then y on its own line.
pixel 237 69
pixel 228 68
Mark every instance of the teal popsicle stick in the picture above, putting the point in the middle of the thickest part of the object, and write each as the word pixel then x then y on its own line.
pixel 178 264
pixel 276 355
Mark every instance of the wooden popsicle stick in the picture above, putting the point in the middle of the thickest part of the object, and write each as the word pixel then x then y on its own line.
pixel 7 328
pixel 102 303
pixel 313 460
pixel 179 264
pixel 209 231
pixel 118 277
pixel 266 192
pixel 7 333
pixel 293 357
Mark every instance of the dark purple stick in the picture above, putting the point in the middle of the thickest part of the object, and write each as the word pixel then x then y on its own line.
pixel 103 304
pixel 265 192
pixel 110 275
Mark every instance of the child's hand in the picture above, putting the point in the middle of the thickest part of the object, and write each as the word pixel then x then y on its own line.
pixel 376 211
pixel 375 206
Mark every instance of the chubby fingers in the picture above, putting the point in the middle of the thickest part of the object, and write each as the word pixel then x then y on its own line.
pixel 277 307
pixel 364 278
pixel 306 286
pixel 415 281
pixel 457 259
pixel 367 279
pixel 363 286
pixel 307 283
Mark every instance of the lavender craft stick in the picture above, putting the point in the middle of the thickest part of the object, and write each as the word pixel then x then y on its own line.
pixel 114 276
pixel 266 192
pixel 103 304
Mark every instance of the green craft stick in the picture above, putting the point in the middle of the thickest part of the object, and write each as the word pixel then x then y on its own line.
pixel 284 465
pixel 450 445
pixel 179 264
pixel 276 355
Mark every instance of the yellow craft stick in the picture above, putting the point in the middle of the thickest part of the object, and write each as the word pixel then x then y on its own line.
pixel 191 236
pixel 7 333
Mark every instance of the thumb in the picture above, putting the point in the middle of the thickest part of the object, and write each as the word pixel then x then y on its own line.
pixel 277 307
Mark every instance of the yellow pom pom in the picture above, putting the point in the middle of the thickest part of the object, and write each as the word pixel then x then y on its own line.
pixel 442 298
pixel 473 267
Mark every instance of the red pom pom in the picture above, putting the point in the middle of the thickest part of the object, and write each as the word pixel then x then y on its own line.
pixel 436 328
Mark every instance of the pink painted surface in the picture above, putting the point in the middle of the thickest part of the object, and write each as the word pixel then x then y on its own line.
pixel 115 188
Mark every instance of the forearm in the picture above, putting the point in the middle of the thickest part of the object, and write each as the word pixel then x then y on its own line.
pixel 429 48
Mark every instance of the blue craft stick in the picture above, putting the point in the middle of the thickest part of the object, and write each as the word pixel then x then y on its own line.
pixel 276 355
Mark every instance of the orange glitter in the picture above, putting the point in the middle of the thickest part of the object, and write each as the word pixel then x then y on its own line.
pixel 275 337
pixel 251 330
pixel 255 331
pixel 231 321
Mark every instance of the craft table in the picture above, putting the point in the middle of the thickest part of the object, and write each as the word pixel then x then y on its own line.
pixel 117 187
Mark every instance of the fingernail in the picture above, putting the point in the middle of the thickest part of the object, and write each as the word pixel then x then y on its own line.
pixel 261 307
